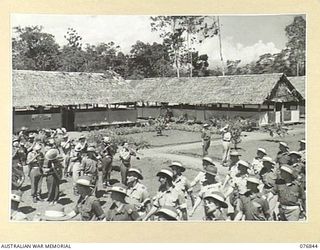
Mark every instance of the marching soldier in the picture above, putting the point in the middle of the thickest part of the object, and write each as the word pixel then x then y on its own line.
pixel 201 177
pixel 291 195
pixel 35 161
pixel 253 205
pixel 210 184
pixel 120 210
pixel 257 162
pixel 282 155
pixel 88 206
pixel 214 206
pixel 137 192
pixel 168 196
pixel 206 138
pixel 180 182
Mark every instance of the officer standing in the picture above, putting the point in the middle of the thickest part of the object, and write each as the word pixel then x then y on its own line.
pixel 206 139
pixel 53 171
pixel 35 161
pixel 125 157
pixel 226 143
pixel 89 164
pixel 120 210
pixel 106 161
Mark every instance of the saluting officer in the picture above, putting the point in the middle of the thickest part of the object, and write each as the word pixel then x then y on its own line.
pixel 120 210
pixel 137 192
pixel 253 205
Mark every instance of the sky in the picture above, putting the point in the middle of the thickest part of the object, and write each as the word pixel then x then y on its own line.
pixel 243 37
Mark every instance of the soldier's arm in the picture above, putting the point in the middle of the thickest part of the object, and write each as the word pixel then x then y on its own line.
pixel 97 210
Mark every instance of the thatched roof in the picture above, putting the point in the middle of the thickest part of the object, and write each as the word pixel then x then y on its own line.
pixel 66 88
pixel 299 82
pixel 237 89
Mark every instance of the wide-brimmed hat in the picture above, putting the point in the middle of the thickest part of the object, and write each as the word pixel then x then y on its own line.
pixel 106 139
pixel 59 131
pixel 206 125
pixel 268 159
pixel 303 141
pixel 64 130
pixel 55 213
pixel 235 153
pixel 294 153
pixel 85 180
pixel 253 179
pixel 136 171
pixel 16 195
pixel 284 144
pixel 208 159
pixel 119 188
pixel 177 164
pixel 287 169
pixel 15 138
pixel 262 150
pixel 169 211
pixel 31 135
pixel 212 170
pixel 217 196
pixel 243 163
pixel 166 172
pixel 52 154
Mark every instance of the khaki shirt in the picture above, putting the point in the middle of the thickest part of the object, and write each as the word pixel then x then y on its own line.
pixel 89 208
pixel 125 212
pixel 138 194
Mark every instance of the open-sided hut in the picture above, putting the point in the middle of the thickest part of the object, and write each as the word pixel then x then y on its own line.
pixel 47 99
pixel 299 82
pixel 266 98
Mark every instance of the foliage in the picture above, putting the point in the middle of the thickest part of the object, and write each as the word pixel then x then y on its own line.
pixel 34 50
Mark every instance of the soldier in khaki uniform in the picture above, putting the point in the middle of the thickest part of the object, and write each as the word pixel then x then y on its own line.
pixel 253 205
pixel 257 162
pixel 88 206
pixel 282 155
pixel 168 196
pixel 120 210
pixel 125 155
pixel 137 192
pixel 291 195
pixel 206 139
pixel 166 213
pixel 180 182
pixel 106 161
pixel 214 206
pixel 226 143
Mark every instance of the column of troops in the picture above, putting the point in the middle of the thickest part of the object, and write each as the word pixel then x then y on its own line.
pixel 266 189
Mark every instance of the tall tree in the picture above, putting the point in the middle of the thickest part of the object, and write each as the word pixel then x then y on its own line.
pixel 33 49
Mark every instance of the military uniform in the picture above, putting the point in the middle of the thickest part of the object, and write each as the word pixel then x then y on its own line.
pixel 282 158
pixel 89 167
pixel 257 165
pixel 171 198
pixel 125 212
pixel 289 196
pixel 107 158
pixel 138 195
pixel 35 161
pixel 254 206
pixel 125 156
pixel 200 178
pixel 89 208
pixel 206 138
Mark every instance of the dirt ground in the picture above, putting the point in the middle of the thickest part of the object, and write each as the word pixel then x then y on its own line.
pixel 186 149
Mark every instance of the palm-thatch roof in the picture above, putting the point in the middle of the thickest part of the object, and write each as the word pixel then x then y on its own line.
pixel 41 88
pixel 235 89
pixel 299 82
